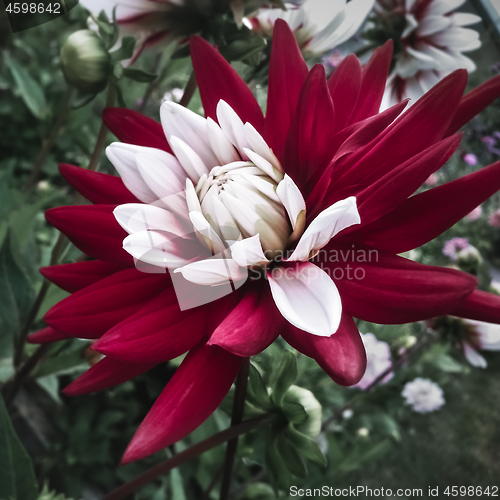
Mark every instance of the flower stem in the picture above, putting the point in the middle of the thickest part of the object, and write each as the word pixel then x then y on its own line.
pixel 189 91
pixel 237 417
pixel 50 141
pixel 180 458
pixel 23 370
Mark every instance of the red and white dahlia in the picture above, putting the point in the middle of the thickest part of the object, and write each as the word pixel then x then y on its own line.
pixel 313 199
pixel 433 42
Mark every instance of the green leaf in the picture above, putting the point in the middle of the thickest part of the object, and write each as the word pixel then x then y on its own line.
pixel 256 391
pixel 17 476
pixel 294 412
pixel 125 51
pixel 290 457
pixel 284 377
pixel 138 75
pixel 177 485
pixel 81 100
pixel 31 92
pixel 279 475
pixel 448 364
pixel 305 445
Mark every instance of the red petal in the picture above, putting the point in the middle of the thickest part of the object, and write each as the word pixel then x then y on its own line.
pixel 192 395
pixel 94 310
pixel 97 187
pixel 415 130
pixel 46 336
pixel 310 132
pixel 344 86
pixel 107 373
pixel 218 80
pixel 474 102
pixel 424 216
pixel 392 290
pixel 342 355
pixel 287 73
pixel 480 306
pixel 252 326
pixel 157 332
pixel 133 128
pixel 74 277
pixel 93 229
pixel 373 83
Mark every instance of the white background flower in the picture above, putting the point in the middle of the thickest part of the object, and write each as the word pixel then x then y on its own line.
pixel 378 360
pixel 423 395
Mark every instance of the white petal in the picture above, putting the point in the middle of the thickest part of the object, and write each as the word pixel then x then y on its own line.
pixel 432 24
pixel 122 156
pixel 489 334
pixel 248 252
pixel 135 217
pixel 193 203
pixel 220 217
pixel 191 162
pixel 292 199
pixel 325 226
pixel 440 7
pixel 210 238
pixel 159 249
pixel 263 165
pixel 221 145
pixel 307 297
pixel 473 357
pixel 464 19
pixel 232 126
pixel 258 144
pixel 180 122
pixel 213 272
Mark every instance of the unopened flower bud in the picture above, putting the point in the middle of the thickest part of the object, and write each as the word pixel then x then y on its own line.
pixel 85 62
pixel 312 426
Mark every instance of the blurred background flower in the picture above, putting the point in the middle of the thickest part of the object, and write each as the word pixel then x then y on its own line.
pixel 378 360
pixel 423 395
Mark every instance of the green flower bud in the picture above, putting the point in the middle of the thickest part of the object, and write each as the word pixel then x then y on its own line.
pixel 85 62
pixel 311 426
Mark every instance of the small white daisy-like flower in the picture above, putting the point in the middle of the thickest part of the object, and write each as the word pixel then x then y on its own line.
pixel 423 395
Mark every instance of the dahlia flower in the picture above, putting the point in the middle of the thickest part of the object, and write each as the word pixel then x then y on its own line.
pixel 312 201
pixel 481 336
pixel 378 360
pixel 433 42
pixel 318 26
pixel 423 395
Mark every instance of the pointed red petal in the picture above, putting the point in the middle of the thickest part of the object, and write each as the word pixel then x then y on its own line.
pixel 344 86
pixel 373 83
pixel 424 216
pixel 310 131
pixel 252 326
pixel 105 374
pixel 93 229
pixel 287 73
pixel 218 80
pixel 94 310
pixel 480 306
pixel 387 289
pixel 342 355
pixel 192 395
pixel 46 336
pixel 133 128
pixel 97 187
pixel 74 277
pixel 474 102
pixel 158 332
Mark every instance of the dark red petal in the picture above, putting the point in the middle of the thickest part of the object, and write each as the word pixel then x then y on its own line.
pixel 218 80
pixel 74 277
pixel 480 306
pixel 344 85
pixel 424 216
pixel 287 73
pixel 133 128
pixel 93 229
pixel 104 374
pixel 253 324
pixel 373 82
pixel 94 310
pixel 311 129
pixel 46 336
pixel 97 187
pixel 474 102
pixel 393 188
pixel 342 355
pixel 192 395
pixel 158 332
pixel 415 130
pixel 387 289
